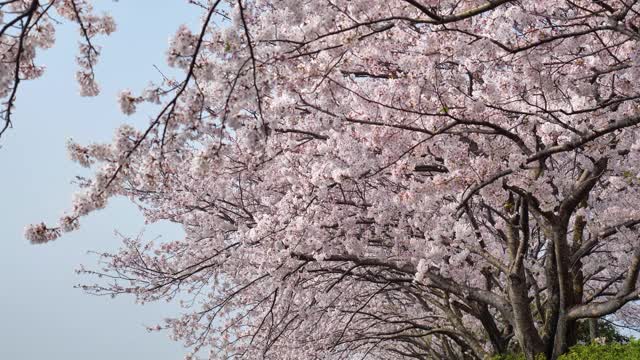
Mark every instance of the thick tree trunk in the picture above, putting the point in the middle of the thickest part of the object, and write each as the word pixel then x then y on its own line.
pixel 577 277
pixel 553 303
pixel 569 283
pixel 563 328
pixel 525 330
pixel 560 344
pixel 593 329
pixel 524 325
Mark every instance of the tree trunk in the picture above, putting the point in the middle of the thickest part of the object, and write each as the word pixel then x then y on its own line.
pixel 566 332
pixel 593 329
pixel 525 330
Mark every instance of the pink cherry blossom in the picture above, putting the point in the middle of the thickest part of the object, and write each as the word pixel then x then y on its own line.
pixel 394 179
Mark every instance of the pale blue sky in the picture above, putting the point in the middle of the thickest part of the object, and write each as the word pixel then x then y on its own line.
pixel 41 315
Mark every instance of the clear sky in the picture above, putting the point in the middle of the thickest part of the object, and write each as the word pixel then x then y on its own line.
pixel 41 315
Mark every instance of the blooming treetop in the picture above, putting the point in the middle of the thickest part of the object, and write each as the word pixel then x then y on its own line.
pixel 28 25
pixel 373 179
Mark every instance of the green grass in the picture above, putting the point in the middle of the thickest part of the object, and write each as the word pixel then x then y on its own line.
pixel 614 351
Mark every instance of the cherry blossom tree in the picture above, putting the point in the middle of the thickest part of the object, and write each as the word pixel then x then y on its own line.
pixel 360 179
pixel 29 25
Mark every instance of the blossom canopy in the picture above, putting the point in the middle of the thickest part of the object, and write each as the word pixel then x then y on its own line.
pixel 371 179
